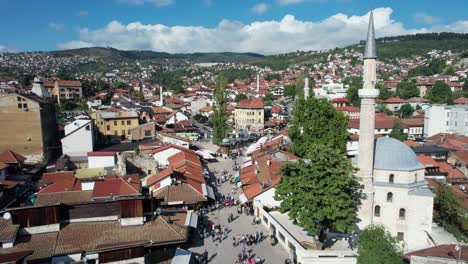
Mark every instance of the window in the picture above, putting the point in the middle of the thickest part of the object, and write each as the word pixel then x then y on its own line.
pixel 265 220
pixel 147 133
pixel 129 122
pixel 400 236
pixel 402 214
pixel 88 127
pixel 115 123
pixel 108 127
pixel 389 197
pixel 123 122
pixel 115 132
pixel 391 178
pixel 281 236
pixel 123 132
pixel 377 211
pixel 20 106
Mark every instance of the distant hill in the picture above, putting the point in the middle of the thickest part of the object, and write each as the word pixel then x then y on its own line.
pixel 113 55
pixel 387 49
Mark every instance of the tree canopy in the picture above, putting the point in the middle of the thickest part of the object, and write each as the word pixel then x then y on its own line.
pixel 385 93
pixel 407 90
pixel 315 121
pixel 377 246
pixel 440 93
pixel 450 214
pixel 219 116
pixel 433 67
pixel 406 110
pixel 397 132
pixel 320 192
pixel 240 96
pixel 289 90
pixel 355 83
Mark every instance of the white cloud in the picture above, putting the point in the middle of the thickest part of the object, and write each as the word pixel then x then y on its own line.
pixel 266 37
pixel 83 13
pixel 5 48
pixel 75 44
pixel 56 26
pixel 260 8
pixel 426 19
pixel 290 2
pixel 153 2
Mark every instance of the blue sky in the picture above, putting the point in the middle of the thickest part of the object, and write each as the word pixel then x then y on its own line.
pixel 268 26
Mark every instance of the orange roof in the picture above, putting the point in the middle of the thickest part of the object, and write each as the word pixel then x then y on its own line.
pixel 58 182
pixel 463 155
pixel 452 173
pixel 461 100
pixel 268 176
pixel 68 83
pixel 427 161
pixel 254 103
pixel 159 176
pixel 10 156
pixel 117 186
pixel 3 166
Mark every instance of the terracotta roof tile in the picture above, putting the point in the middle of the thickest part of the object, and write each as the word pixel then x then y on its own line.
pixel 10 156
pixel 180 192
pixel 117 186
pixel 58 182
pixel 7 229
pixel 70 197
pixel 68 83
pixel 254 103
pixel 442 251
pixel 43 246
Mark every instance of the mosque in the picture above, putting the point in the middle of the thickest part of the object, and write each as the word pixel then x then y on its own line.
pixel 395 194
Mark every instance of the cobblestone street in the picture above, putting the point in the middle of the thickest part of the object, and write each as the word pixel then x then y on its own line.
pixel 224 251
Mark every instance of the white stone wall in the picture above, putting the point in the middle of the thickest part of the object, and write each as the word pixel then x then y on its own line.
pixel 131 221
pixel 400 177
pixel 101 161
pixel 162 157
pixel 267 199
pixel 40 229
pixel 79 139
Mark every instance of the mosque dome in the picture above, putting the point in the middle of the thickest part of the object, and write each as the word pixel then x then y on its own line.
pixel 392 154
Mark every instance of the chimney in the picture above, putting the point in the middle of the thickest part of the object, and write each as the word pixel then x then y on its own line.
pixel 161 102
pixel 258 83
pixel 306 88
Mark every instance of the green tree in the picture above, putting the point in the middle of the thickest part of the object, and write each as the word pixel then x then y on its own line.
pixel 385 93
pixel 449 213
pixel 315 121
pixel 273 76
pixel 450 70
pixel 465 85
pixel 406 110
pixel 377 246
pixel 268 99
pixel 355 83
pixel 440 93
pixel 219 117
pixel 397 132
pixel 319 192
pixel 289 90
pixel 407 90
pixel 240 96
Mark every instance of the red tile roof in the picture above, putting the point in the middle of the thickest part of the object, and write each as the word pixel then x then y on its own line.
pixel 340 100
pixel 101 153
pixel 395 100
pixel 117 186
pixel 461 100
pixel 159 176
pixel 9 156
pixel 3 166
pixel 452 174
pixel 268 176
pixel 462 155
pixel 380 122
pixel 58 182
pixel 442 251
pixel 418 100
pixel 68 83
pixel 254 103
pixel 348 109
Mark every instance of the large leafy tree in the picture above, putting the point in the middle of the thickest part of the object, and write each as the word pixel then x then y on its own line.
pixel 315 121
pixel 385 93
pixel 377 246
pixel 289 90
pixel 450 214
pixel 320 191
pixel 397 132
pixel 219 117
pixel 440 93
pixel 355 83
pixel 240 96
pixel 407 89
pixel 406 110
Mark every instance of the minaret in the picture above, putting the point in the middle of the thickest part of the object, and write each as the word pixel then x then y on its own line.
pixel 258 83
pixel 306 88
pixel 161 101
pixel 368 94
pixel 39 89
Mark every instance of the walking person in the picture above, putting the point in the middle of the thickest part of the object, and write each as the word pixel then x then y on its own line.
pixel 205 256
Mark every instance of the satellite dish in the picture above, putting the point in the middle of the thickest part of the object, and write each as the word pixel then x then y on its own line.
pixel 7 216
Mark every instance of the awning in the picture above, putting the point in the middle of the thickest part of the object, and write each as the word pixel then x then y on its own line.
pixel 208 191
pixel 181 256
pixel 242 198
pixel 191 219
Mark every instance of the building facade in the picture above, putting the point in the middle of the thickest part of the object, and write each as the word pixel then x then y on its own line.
pixel 249 115
pixel 447 119
pixel 116 124
pixel 82 131
pixel 32 128
pixel 67 90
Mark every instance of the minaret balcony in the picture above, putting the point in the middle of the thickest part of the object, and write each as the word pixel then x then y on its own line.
pixel 368 93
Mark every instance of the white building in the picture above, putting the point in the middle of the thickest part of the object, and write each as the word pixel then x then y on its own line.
pixel 79 138
pixel 448 119
pixel 176 117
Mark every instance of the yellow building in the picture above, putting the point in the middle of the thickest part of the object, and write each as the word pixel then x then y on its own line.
pixel 249 115
pixel 112 125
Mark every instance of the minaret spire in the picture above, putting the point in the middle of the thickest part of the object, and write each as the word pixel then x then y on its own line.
pixel 368 94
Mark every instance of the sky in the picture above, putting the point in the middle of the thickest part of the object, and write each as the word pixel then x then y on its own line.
pixel 186 26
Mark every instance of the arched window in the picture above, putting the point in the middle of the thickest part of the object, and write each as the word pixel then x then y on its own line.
pixel 402 214
pixel 391 178
pixel 389 197
pixel 377 211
